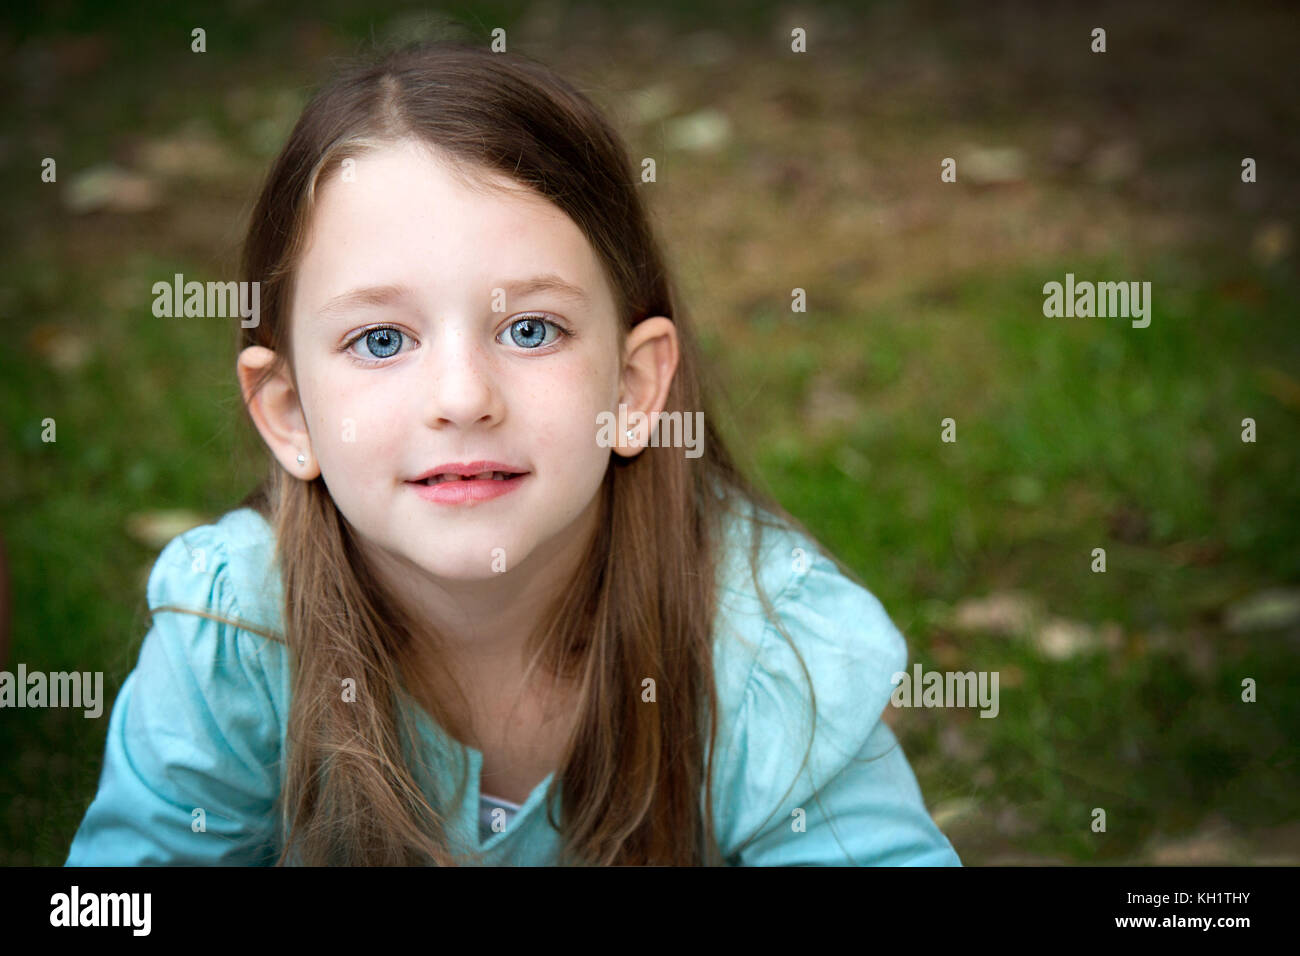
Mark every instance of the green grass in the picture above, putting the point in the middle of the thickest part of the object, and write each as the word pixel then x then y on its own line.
pixel 1059 423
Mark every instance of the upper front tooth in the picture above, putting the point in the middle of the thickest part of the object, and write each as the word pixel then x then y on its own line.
pixel 484 474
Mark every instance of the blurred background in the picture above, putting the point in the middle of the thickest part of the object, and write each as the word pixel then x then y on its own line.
pixel 1120 690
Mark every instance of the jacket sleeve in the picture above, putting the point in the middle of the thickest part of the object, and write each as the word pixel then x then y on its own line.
pixel 191 763
pixel 855 801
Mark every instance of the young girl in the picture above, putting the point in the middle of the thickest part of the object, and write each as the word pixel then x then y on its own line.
pixel 459 622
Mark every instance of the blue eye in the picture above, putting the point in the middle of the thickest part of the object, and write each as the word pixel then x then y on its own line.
pixel 531 332
pixel 381 342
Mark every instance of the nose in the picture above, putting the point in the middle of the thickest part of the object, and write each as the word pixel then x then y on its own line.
pixel 463 388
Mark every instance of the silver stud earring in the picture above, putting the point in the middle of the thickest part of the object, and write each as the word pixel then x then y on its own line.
pixel 631 435
pixel 302 459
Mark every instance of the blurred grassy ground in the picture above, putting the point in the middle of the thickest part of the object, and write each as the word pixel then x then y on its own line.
pixel 1118 690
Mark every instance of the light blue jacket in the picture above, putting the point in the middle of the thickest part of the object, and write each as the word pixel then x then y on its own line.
pixel 200 723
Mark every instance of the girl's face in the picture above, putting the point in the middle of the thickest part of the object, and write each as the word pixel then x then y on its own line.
pixel 435 325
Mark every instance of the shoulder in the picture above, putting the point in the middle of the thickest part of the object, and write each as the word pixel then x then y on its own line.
pixel 228 565
pixel 197 726
pixel 228 569
pixel 801 688
pixel 839 629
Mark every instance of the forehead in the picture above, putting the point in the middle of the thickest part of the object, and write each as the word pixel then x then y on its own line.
pixel 406 216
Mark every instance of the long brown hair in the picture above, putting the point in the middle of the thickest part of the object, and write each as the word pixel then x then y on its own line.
pixel 643 602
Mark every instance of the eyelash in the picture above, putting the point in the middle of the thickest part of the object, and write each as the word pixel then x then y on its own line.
pixel 347 346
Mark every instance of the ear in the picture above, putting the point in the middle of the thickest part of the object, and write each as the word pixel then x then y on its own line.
pixel 649 363
pixel 276 413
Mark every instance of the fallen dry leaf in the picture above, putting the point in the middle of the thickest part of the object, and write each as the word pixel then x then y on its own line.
pixel 991 167
pixel 65 349
pixel 1267 610
pixel 702 131
pixel 1002 612
pixel 154 529
pixel 1060 639
pixel 112 189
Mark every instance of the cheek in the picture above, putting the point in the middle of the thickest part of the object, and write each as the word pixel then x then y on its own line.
pixel 561 415
pixel 350 423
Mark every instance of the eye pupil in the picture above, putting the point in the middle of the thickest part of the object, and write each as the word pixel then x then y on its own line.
pixel 528 333
pixel 383 342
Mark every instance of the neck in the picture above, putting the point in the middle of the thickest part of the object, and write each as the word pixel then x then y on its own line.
pixel 483 625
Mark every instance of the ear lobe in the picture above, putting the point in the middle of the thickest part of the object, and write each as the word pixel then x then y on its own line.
pixel 276 411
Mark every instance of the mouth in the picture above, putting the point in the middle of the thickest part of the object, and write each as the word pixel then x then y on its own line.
pixel 469 471
pixel 481 476
pixel 468 483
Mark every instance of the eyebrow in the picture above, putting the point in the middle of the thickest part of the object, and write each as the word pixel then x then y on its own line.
pixel 370 295
pixel 547 282
pixel 514 288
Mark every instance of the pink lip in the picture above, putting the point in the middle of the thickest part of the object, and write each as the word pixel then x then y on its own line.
pixel 466 492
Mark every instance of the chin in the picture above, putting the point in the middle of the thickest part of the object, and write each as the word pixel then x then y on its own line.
pixel 462 572
pixel 473 557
